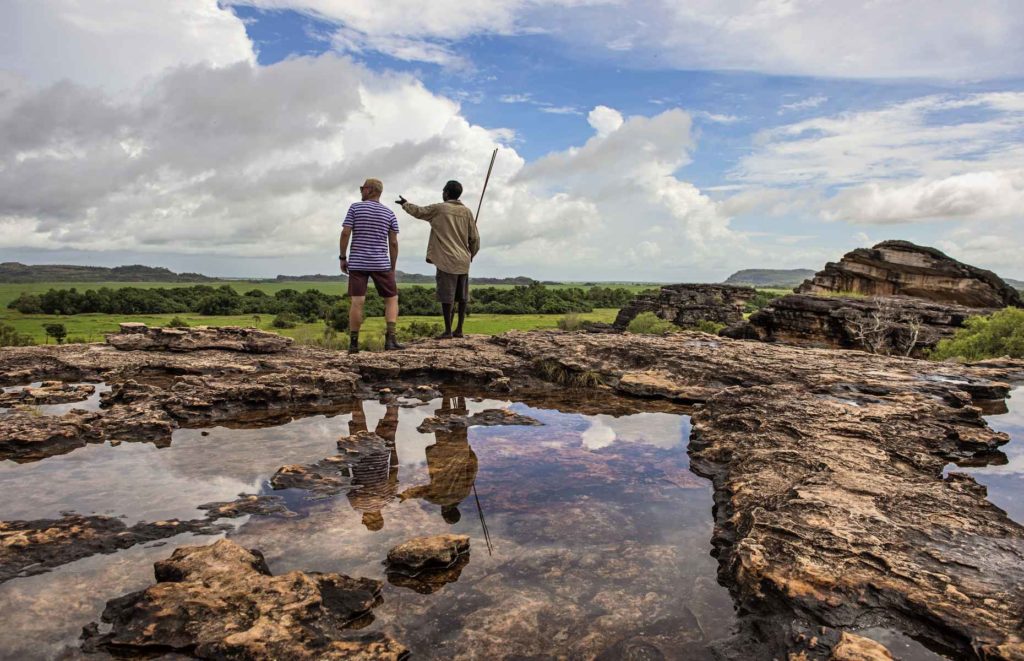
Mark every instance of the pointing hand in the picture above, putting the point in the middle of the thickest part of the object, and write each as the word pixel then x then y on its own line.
pixel 400 200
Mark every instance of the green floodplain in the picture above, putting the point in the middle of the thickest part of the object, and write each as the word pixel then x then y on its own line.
pixel 92 327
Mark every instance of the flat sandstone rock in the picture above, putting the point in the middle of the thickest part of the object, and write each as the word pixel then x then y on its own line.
pixel 140 337
pixel 221 601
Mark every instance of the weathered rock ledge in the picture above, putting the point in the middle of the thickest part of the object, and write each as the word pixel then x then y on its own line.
pixel 140 337
pixel 888 325
pixel 831 505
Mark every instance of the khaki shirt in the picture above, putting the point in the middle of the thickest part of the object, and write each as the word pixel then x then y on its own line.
pixel 454 240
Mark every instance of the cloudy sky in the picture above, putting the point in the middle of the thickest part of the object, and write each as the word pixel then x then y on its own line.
pixel 646 140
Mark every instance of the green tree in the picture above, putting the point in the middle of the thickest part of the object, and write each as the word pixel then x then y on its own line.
pixel 57 331
pixel 9 337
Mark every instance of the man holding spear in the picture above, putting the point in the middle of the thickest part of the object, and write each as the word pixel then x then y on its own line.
pixel 454 241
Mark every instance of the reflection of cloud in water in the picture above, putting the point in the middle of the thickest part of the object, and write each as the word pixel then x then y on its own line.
pixel 131 480
pixel 662 430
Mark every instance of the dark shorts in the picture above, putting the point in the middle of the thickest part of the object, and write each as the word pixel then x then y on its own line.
pixel 452 287
pixel 384 281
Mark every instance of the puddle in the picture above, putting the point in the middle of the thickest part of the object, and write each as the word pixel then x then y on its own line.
pixel 92 403
pixel 1005 482
pixel 903 647
pixel 598 535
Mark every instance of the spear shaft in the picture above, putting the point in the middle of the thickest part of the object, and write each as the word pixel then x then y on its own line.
pixel 487 179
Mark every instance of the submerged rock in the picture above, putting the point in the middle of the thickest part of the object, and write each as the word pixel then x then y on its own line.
pixel 687 305
pixel 902 268
pixel 221 601
pixel 140 337
pixel 427 564
pixel 33 547
pixel 245 505
pixel 424 552
pixel 485 418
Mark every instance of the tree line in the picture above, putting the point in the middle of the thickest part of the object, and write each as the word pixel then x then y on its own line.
pixel 309 305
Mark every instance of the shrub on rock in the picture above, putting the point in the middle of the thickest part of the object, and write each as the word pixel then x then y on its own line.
pixel 992 336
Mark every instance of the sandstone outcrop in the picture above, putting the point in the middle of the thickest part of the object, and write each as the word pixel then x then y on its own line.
pixel 832 508
pixel 140 337
pixel 687 305
pixel 888 325
pixel 221 601
pixel 894 268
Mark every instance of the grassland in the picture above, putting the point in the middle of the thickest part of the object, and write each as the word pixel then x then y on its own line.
pixel 92 327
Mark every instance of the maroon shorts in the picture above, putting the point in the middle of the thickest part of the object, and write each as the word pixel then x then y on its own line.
pixel 384 281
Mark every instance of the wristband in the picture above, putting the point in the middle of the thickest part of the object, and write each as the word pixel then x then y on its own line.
pixel 342 258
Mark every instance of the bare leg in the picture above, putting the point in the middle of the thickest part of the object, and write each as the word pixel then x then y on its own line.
pixel 355 312
pixel 391 309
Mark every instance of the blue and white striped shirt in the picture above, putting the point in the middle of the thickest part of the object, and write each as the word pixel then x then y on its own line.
pixel 370 222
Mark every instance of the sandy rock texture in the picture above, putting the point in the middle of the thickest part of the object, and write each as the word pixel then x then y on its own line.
pixel 221 601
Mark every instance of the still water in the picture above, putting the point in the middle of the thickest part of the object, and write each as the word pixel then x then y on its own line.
pixel 1005 482
pixel 599 534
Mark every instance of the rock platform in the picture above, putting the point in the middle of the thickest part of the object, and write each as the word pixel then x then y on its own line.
pixel 832 511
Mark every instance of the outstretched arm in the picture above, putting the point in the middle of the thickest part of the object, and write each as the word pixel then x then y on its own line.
pixel 416 211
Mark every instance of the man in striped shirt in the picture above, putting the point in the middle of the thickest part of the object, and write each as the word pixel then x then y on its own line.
pixel 373 230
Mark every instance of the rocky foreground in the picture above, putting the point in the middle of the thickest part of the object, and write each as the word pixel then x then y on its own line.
pixel 832 513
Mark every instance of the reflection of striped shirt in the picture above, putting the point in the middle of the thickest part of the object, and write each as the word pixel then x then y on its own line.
pixel 370 222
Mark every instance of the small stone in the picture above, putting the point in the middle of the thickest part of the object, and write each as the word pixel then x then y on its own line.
pixel 421 552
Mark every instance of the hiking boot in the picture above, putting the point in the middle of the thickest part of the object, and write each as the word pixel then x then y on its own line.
pixel 391 344
pixel 353 348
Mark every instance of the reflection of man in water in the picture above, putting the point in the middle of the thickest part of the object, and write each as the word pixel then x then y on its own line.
pixel 375 473
pixel 452 466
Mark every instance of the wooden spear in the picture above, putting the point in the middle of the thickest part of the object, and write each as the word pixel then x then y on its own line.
pixel 488 178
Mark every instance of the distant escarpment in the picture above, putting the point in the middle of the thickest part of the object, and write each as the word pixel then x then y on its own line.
pixel 13 272
pixel 687 305
pixel 769 278
pixel 901 268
